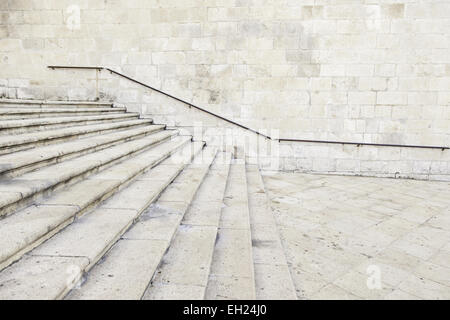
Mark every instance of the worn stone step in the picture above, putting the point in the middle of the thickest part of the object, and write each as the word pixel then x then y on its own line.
pixel 8 127
pixel 23 103
pixel 194 241
pixel 29 227
pixel 20 191
pixel 127 269
pixel 272 276
pixel 14 164
pixel 231 273
pixel 47 273
pixel 27 113
pixel 9 144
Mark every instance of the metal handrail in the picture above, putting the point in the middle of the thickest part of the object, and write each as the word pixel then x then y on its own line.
pixel 167 94
pixel 367 144
pixel 241 125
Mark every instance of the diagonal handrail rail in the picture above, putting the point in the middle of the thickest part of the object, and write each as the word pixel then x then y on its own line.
pixel 166 94
pixel 241 125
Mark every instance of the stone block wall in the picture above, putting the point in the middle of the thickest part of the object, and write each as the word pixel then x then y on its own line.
pixel 353 70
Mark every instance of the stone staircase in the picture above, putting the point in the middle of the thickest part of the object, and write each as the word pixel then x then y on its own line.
pixel 96 203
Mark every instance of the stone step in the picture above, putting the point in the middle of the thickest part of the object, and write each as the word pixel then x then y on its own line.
pixel 17 163
pixel 194 241
pixel 9 144
pixel 231 273
pixel 27 113
pixel 127 269
pixel 20 191
pixel 27 228
pixel 54 268
pixel 272 276
pixel 8 127
pixel 11 103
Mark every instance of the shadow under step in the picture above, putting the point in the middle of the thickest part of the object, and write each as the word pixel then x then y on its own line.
pixel 54 268
pixel 9 144
pixel 9 127
pixel 19 103
pixel 194 241
pixel 26 113
pixel 19 192
pixel 231 272
pixel 17 163
pixel 29 227
pixel 273 280
pixel 143 245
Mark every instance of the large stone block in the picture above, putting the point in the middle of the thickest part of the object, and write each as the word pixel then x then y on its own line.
pixel 10 45
pixel 227 14
pixel 427 10
pixel 363 97
pixel 328 98
pixel 392 98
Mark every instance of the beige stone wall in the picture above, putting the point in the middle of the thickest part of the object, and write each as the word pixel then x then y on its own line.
pixel 354 70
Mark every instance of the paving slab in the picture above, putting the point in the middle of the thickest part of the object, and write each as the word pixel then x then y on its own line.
pixel 334 235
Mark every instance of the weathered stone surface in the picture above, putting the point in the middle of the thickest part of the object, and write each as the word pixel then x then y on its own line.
pixel 164 291
pixel 194 240
pixel 52 152
pixel 28 228
pixel 34 183
pixel 225 287
pixel 28 125
pixel 232 270
pixel 204 213
pixel 23 229
pixel 193 244
pixel 93 235
pixel 362 238
pixel 123 273
pixel 46 135
pixel 41 278
pixel 155 229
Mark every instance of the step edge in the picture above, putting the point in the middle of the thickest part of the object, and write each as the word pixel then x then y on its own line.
pixel 55 102
pixel 154 199
pixel 6 173
pixel 75 133
pixel 268 201
pixel 113 242
pixel 69 120
pixel 4 208
pixel 81 211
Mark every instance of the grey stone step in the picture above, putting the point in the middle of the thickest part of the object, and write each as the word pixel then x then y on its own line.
pixel 8 127
pixel 29 227
pixel 9 144
pixel 14 164
pixel 127 269
pixel 194 241
pixel 21 191
pixel 231 274
pixel 88 239
pixel 51 103
pixel 272 276
pixel 27 113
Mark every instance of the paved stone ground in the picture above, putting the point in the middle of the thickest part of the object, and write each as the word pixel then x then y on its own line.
pixel 363 238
